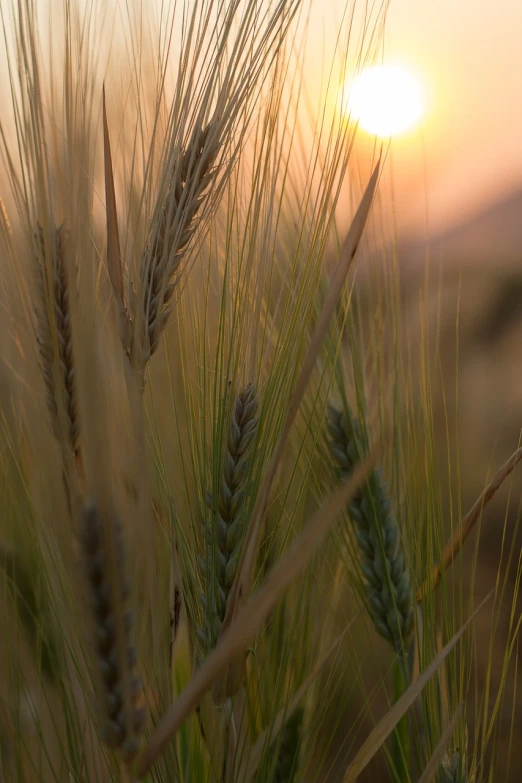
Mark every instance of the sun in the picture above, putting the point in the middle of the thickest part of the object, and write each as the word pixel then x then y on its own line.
pixel 386 100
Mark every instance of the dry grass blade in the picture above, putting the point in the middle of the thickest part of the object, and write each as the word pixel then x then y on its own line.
pixel 113 237
pixel 385 727
pixel 114 261
pixel 456 542
pixel 255 753
pixel 252 615
pixel 241 586
pixel 438 754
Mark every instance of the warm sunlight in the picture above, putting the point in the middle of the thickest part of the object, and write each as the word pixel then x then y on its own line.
pixel 385 99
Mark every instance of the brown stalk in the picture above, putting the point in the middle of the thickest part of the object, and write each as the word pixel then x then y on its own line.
pixel 456 542
pixel 114 262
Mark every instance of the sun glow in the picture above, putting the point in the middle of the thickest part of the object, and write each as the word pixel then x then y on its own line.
pixel 386 100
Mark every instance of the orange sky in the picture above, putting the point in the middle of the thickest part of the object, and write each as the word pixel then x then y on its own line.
pixel 469 53
pixel 468 150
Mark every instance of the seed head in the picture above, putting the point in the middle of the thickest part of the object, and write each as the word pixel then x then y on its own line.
pixel 223 537
pixel 120 689
pixel 382 564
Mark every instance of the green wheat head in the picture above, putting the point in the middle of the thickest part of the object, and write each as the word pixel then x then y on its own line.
pixel 223 536
pixel 383 566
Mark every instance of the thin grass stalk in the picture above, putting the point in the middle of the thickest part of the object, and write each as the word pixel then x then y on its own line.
pixel 467 524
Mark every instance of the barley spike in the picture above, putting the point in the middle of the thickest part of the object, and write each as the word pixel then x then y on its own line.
pixel 120 689
pixel 224 536
pixel 188 188
pixel 384 569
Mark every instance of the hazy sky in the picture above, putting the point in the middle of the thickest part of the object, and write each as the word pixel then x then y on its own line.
pixel 468 150
pixel 469 52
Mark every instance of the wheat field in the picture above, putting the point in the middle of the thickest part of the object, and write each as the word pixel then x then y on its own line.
pixel 228 550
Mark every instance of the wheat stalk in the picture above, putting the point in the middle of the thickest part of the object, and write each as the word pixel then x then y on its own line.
pixel 384 570
pixel 120 688
pixel 224 536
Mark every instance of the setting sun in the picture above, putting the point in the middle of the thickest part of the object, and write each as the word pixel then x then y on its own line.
pixel 385 100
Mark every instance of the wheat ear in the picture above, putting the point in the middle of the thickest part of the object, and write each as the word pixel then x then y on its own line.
pixel 384 570
pixel 224 536
pixel 120 690
pixel 177 222
pixel 54 318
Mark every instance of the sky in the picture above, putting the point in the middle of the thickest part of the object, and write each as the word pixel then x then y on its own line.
pixel 468 150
